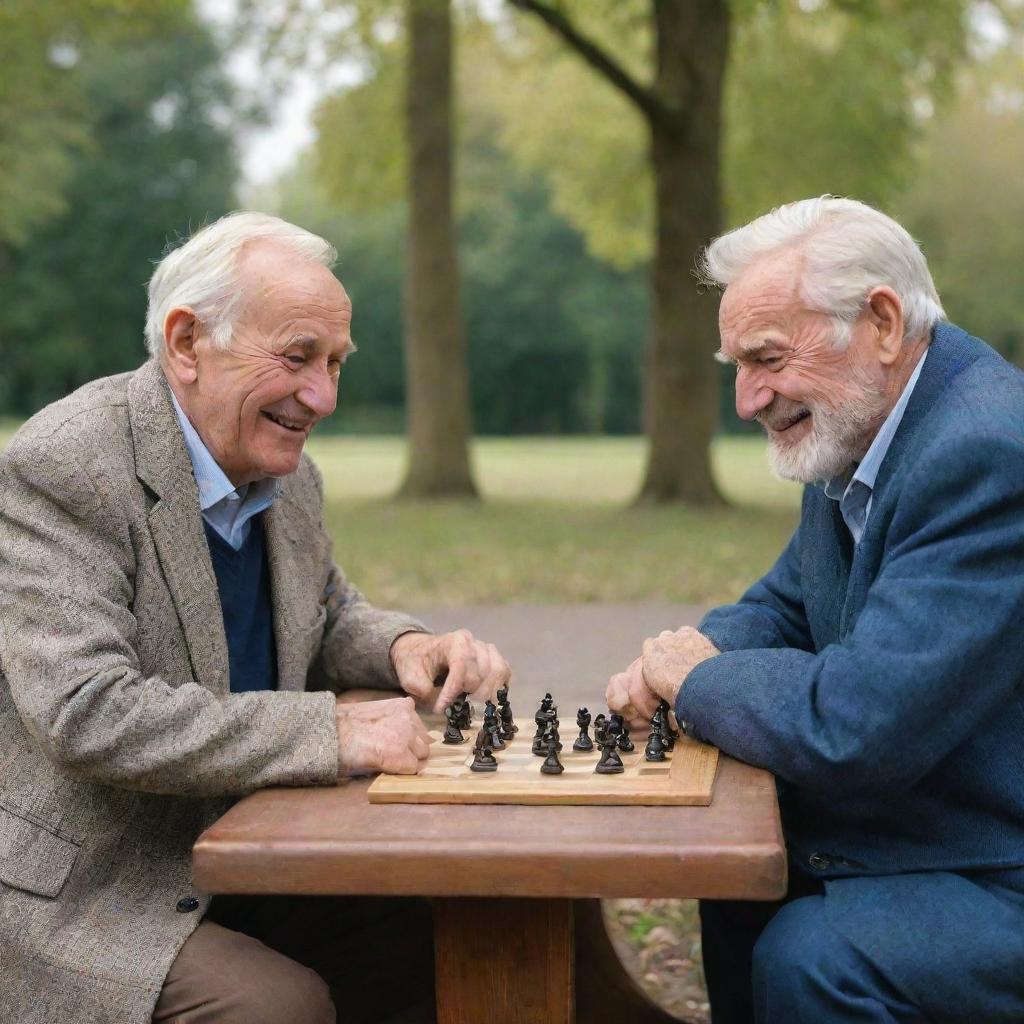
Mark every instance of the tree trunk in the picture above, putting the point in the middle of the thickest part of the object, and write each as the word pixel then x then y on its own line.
pixel 681 407
pixel 437 385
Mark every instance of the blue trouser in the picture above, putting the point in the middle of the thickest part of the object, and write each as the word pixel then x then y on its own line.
pixel 935 947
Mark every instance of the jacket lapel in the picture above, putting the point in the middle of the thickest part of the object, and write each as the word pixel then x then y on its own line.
pixel 950 352
pixel 176 524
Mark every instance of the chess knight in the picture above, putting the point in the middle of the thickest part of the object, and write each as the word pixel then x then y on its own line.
pixel 174 634
pixel 875 669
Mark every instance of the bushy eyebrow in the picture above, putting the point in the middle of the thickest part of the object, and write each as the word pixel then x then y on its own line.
pixel 748 349
pixel 308 344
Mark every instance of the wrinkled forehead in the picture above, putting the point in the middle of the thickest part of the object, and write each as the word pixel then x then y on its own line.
pixel 276 282
pixel 767 292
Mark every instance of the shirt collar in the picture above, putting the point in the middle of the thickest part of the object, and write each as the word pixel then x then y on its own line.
pixel 213 483
pixel 867 471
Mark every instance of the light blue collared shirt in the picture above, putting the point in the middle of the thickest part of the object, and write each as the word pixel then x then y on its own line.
pixel 226 508
pixel 854 493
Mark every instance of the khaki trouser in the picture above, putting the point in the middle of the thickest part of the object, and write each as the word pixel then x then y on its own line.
pixel 295 959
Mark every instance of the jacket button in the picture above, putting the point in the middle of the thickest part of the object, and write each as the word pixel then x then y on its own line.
pixel 187 904
pixel 819 861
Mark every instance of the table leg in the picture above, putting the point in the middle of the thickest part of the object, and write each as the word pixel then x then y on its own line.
pixel 507 960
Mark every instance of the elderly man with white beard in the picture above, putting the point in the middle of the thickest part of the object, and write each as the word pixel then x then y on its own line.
pixel 875 668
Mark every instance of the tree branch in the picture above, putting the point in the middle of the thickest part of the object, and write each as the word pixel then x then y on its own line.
pixel 641 96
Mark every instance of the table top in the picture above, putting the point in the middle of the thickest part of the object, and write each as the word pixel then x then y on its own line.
pixel 331 840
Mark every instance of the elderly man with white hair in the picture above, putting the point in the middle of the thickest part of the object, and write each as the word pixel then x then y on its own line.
pixel 174 633
pixel 876 668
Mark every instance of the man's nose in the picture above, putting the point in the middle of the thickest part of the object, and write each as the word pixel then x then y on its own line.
pixel 752 395
pixel 319 392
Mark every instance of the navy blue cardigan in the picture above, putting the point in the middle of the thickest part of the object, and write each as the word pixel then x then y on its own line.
pixel 884 685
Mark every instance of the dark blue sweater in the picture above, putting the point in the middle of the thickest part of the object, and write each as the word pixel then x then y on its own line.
pixel 243 580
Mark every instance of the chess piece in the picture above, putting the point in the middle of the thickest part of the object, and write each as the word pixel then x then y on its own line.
pixel 541 720
pixel 508 725
pixel 618 726
pixel 655 749
pixel 600 728
pixel 492 726
pixel 452 735
pixel 483 757
pixel 583 741
pixel 610 763
pixel 551 765
pixel 552 721
pixel 668 734
pixel 463 711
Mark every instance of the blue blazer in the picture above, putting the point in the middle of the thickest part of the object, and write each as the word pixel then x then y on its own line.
pixel 884 684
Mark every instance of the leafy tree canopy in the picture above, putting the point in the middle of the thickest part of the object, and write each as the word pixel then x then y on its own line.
pixel 161 163
pixel 43 117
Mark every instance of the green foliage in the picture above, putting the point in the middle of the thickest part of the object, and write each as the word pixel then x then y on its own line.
pixel 823 97
pixel 161 163
pixel 966 205
pixel 558 351
pixel 43 120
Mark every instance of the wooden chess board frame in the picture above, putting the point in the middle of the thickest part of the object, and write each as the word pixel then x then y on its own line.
pixel 685 778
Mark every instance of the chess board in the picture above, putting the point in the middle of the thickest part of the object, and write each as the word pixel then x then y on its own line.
pixel 685 777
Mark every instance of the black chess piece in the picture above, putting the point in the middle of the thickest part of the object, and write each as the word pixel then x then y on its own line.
pixel 541 720
pixel 583 741
pixel 600 729
pixel 483 757
pixel 655 749
pixel 508 725
pixel 617 725
pixel 452 735
pixel 463 711
pixel 493 726
pixel 610 763
pixel 668 734
pixel 551 765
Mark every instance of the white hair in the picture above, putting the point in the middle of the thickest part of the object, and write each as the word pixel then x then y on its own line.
pixel 847 247
pixel 202 274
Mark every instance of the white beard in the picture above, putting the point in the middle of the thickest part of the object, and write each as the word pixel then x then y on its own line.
pixel 838 437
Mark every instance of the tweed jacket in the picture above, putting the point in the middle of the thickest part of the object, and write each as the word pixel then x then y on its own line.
pixel 883 684
pixel 119 738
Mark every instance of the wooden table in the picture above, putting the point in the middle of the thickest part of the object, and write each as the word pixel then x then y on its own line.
pixel 531 868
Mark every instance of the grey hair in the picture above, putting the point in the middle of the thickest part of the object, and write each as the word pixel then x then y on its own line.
pixel 202 273
pixel 848 248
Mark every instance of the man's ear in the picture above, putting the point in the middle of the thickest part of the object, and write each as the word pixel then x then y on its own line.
pixel 885 313
pixel 181 331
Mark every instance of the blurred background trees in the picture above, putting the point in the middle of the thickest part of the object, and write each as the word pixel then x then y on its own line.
pixel 119 129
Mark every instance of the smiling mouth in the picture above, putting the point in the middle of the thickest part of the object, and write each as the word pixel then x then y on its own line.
pixel 784 425
pixel 295 426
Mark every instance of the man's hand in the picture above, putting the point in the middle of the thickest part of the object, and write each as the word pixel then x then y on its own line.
pixel 658 674
pixel 381 736
pixel 472 666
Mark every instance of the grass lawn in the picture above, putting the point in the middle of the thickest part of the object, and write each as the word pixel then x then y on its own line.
pixel 556 526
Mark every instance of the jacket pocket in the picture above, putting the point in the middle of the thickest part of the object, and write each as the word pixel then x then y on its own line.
pixel 34 857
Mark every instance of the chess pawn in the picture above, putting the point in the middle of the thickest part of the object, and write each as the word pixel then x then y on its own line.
pixel 451 729
pixel 655 749
pixel 483 759
pixel 551 765
pixel 583 741
pixel 610 763
pixel 492 726
pixel 617 726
